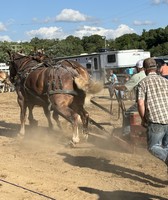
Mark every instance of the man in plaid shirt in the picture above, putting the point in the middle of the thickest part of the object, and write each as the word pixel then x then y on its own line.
pixel 152 97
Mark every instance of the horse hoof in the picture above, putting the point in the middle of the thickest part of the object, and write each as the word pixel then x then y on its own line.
pixel 75 140
pixel 86 136
pixel 20 136
pixel 71 144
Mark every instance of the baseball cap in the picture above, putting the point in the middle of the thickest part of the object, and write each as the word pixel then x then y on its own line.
pixel 159 62
pixel 139 64
pixel 149 63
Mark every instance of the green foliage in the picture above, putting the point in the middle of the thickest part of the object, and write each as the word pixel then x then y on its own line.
pixel 92 43
pixel 4 46
pixel 127 41
pixel 154 40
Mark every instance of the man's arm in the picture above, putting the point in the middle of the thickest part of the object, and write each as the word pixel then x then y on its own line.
pixel 129 85
pixel 141 109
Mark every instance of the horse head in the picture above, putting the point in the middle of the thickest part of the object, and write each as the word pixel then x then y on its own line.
pixel 43 58
pixel 16 62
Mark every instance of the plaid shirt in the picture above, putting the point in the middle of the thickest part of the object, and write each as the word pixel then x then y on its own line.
pixel 154 90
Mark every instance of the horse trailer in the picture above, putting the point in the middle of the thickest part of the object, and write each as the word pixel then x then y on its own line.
pixel 99 63
pixel 4 67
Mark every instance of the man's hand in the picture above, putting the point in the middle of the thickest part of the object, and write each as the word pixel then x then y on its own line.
pixel 144 123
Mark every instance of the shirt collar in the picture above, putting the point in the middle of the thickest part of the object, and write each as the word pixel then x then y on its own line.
pixel 152 73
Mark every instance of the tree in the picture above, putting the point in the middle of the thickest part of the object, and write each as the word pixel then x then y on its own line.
pixel 127 41
pixel 154 40
pixel 92 43
pixel 4 46
pixel 74 44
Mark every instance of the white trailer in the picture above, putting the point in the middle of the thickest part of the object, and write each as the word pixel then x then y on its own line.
pixel 99 63
pixel 4 67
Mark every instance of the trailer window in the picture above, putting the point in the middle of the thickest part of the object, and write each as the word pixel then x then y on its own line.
pixel 88 66
pixel 95 64
pixel 111 58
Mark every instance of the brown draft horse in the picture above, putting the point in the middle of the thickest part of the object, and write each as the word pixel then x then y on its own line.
pixel 61 88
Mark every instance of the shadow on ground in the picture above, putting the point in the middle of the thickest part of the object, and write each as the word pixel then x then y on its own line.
pixel 120 195
pixel 102 164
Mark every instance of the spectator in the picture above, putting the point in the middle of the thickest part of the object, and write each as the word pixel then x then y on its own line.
pixel 130 85
pixel 163 69
pixel 130 71
pixel 152 95
pixel 112 79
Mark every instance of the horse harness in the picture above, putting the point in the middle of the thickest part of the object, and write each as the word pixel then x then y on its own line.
pixel 52 87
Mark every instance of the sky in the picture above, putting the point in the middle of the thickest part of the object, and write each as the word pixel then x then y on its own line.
pixel 22 20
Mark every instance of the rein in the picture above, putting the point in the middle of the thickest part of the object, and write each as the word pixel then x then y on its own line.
pixel 60 91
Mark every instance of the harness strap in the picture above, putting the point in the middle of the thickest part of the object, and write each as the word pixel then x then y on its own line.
pixel 73 69
pixel 36 66
pixel 59 91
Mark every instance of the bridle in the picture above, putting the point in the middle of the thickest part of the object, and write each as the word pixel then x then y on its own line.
pixel 22 64
pixel 14 70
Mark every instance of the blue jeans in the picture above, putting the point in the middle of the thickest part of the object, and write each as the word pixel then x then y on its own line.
pixel 157 140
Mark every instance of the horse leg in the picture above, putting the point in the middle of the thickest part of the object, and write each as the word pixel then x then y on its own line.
pixel 48 116
pixel 85 120
pixel 22 120
pixel 3 88
pixel 23 107
pixel 56 118
pixel 31 119
pixel 75 137
pixel 68 114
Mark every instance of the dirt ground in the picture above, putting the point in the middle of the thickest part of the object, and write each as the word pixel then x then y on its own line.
pixel 42 166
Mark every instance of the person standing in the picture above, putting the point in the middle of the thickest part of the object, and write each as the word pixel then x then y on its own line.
pixel 131 85
pixel 152 98
pixel 112 79
pixel 163 69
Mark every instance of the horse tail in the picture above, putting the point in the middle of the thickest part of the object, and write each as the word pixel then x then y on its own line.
pixel 88 85
pixel 84 81
pixel 95 86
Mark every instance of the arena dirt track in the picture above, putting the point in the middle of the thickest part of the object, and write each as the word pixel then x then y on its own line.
pixel 42 166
